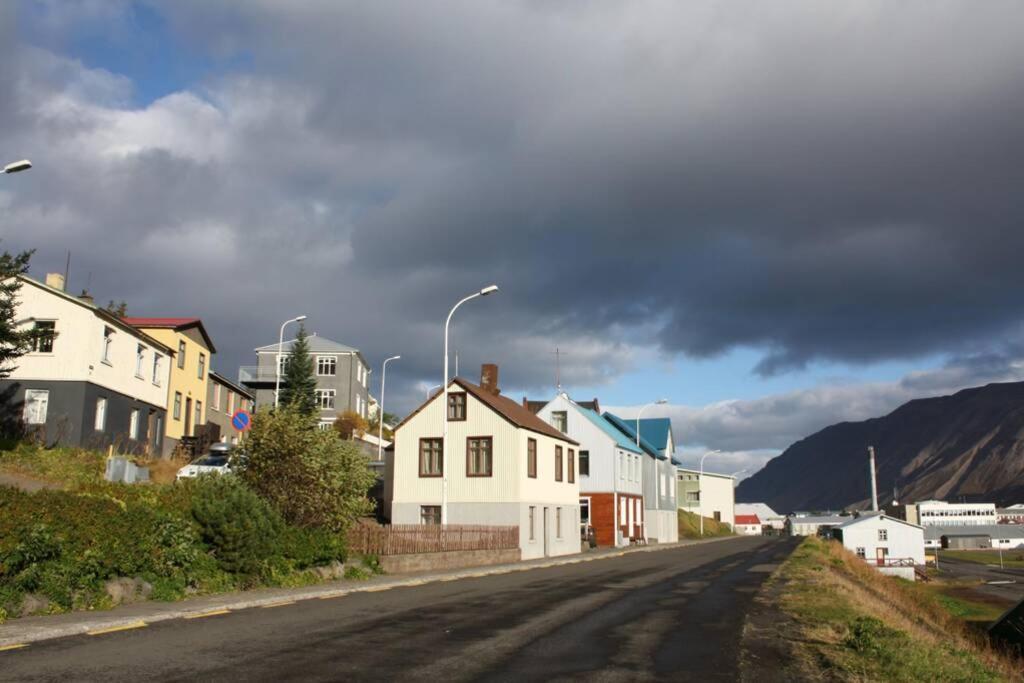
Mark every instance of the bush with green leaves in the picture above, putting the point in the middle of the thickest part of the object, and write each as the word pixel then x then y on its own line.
pixel 312 477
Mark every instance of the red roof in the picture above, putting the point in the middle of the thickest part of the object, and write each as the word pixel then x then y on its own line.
pixel 173 324
pixel 747 519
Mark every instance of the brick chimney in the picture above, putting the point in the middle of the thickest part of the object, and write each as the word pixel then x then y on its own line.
pixel 489 378
pixel 55 280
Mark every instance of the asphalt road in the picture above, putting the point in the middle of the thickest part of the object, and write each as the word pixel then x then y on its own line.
pixel 1008 583
pixel 669 615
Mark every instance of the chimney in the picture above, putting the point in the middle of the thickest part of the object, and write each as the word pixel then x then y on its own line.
pixel 489 378
pixel 55 280
pixel 86 297
pixel 874 482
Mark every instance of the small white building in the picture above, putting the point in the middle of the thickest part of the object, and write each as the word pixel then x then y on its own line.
pixel 506 467
pixel 978 537
pixel 713 496
pixel 748 525
pixel 768 517
pixel 941 513
pixel 892 545
pixel 811 525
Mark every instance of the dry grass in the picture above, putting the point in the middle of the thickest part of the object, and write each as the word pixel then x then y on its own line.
pixel 858 625
pixel 689 526
pixel 163 471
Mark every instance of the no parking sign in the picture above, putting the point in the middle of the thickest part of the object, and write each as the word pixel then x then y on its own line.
pixel 241 421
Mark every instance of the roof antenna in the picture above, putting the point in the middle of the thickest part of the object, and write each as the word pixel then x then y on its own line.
pixel 558 368
pixel 67 272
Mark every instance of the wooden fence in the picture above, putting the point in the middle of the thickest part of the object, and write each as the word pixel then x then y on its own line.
pixel 402 539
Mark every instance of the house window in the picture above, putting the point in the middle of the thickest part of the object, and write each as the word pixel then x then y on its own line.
pixel 202 366
pixel 177 405
pixel 181 355
pixel 158 432
pixel 231 402
pixel 456 407
pixel 585 463
pixel 883 534
pixel 326 366
pixel 156 368
pixel 199 414
pixel 430 458
pixel 101 414
pixel 572 466
pixel 584 511
pixel 325 398
pixel 36 403
pixel 479 457
pixel 430 514
pixel 558 463
pixel 861 554
pixel 215 404
pixel 133 424
pixel 533 523
pixel 140 359
pixel 108 340
pixel 622 511
pixel 531 458
pixel 45 333
pixel 558 522
pixel 622 466
pixel 560 420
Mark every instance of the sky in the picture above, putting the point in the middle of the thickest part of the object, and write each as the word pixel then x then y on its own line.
pixel 776 216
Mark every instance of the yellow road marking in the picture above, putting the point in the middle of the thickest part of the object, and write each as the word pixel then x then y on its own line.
pixel 113 629
pixel 211 613
pixel 17 646
pixel 278 604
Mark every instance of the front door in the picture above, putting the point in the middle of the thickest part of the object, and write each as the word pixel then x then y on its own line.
pixel 188 417
pixel 547 550
pixel 880 554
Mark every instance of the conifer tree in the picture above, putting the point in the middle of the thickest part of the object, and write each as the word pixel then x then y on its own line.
pixel 298 381
pixel 14 343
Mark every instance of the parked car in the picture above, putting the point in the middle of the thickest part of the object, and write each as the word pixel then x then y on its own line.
pixel 216 461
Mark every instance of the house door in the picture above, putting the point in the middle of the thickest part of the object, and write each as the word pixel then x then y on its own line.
pixel 188 417
pixel 547 550
pixel 632 519
pixel 880 554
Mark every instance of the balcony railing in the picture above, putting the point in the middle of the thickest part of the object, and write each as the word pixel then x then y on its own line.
pixel 256 373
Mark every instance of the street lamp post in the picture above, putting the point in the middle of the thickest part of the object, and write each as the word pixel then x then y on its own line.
pixel 490 289
pixel 380 416
pixel 700 490
pixel 18 166
pixel 280 343
pixel 659 402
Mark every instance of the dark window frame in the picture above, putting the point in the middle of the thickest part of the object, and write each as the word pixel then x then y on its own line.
pixel 457 396
pixel 419 456
pixel 586 459
pixel 558 464
pixel 571 473
pixel 531 458
pixel 45 334
pixel 182 351
pixel 490 456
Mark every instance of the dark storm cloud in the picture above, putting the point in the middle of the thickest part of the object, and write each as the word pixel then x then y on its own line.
pixel 817 181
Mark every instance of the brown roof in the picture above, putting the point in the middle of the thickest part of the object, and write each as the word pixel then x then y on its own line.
pixel 506 407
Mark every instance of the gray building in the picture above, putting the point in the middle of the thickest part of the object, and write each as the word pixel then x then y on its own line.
pixel 223 399
pixel 342 377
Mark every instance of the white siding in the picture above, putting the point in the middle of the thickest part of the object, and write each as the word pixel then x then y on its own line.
pixel 718 495
pixel 903 541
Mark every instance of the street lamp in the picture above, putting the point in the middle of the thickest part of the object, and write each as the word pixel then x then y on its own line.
pixel 18 166
pixel 700 490
pixel 659 402
pixel 280 343
pixel 490 289
pixel 380 417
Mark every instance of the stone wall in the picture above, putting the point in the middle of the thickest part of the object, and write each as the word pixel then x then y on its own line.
pixel 423 562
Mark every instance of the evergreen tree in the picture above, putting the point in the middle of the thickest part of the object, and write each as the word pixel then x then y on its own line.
pixel 298 382
pixel 14 343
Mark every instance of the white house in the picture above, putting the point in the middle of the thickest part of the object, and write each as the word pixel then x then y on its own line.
pixel 610 468
pixel 506 467
pixel 713 496
pixel 747 525
pixel 89 379
pixel 941 513
pixel 768 517
pixel 892 545
pixel 661 516
pixel 812 525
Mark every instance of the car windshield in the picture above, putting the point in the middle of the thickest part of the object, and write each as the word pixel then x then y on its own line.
pixel 212 461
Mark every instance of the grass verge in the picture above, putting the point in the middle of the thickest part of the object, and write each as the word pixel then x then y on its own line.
pixel 689 526
pixel 1011 558
pixel 854 624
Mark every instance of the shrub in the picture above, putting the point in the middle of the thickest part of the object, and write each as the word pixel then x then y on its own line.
pixel 240 527
pixel 310 476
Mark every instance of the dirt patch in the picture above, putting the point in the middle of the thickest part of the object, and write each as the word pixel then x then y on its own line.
pixel 24 482
pixel 767 654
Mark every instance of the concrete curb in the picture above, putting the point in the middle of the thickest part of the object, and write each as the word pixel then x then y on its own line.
pixel 20 632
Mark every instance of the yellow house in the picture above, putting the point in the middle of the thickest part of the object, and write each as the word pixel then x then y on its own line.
pixel 190 373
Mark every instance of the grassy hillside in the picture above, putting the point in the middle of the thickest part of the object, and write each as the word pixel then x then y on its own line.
pixel 689 526
pixel 850 623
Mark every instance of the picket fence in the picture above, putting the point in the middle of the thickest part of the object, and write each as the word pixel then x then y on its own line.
pixel 402 539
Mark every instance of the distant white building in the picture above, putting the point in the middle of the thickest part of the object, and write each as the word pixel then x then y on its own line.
pixel 892 545
pixel 978 537
pixel 941 513
pixel 764 513
pixel 747 525
pixel 712 497
pixel 1010 515
pixel 810 525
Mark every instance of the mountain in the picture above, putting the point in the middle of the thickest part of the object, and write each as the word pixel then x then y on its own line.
pixel 970 444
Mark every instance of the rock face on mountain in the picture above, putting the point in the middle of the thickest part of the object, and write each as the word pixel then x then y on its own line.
pixel 970 444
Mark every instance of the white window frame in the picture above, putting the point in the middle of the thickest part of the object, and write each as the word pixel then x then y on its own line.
pixel 215 404
pixel 156 368
pixel 108 341
pixel 326 396
pixel 622 512
pixel 883 534
pixel 133 424
pixel 100 422
pixel 140 360
pixel 31 413
pixel 324 363
pixel 231 402
pixel 201 367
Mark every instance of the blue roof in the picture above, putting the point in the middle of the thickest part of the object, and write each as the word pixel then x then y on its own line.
pixel 627 427
pixel 620 439
pixel 655 430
